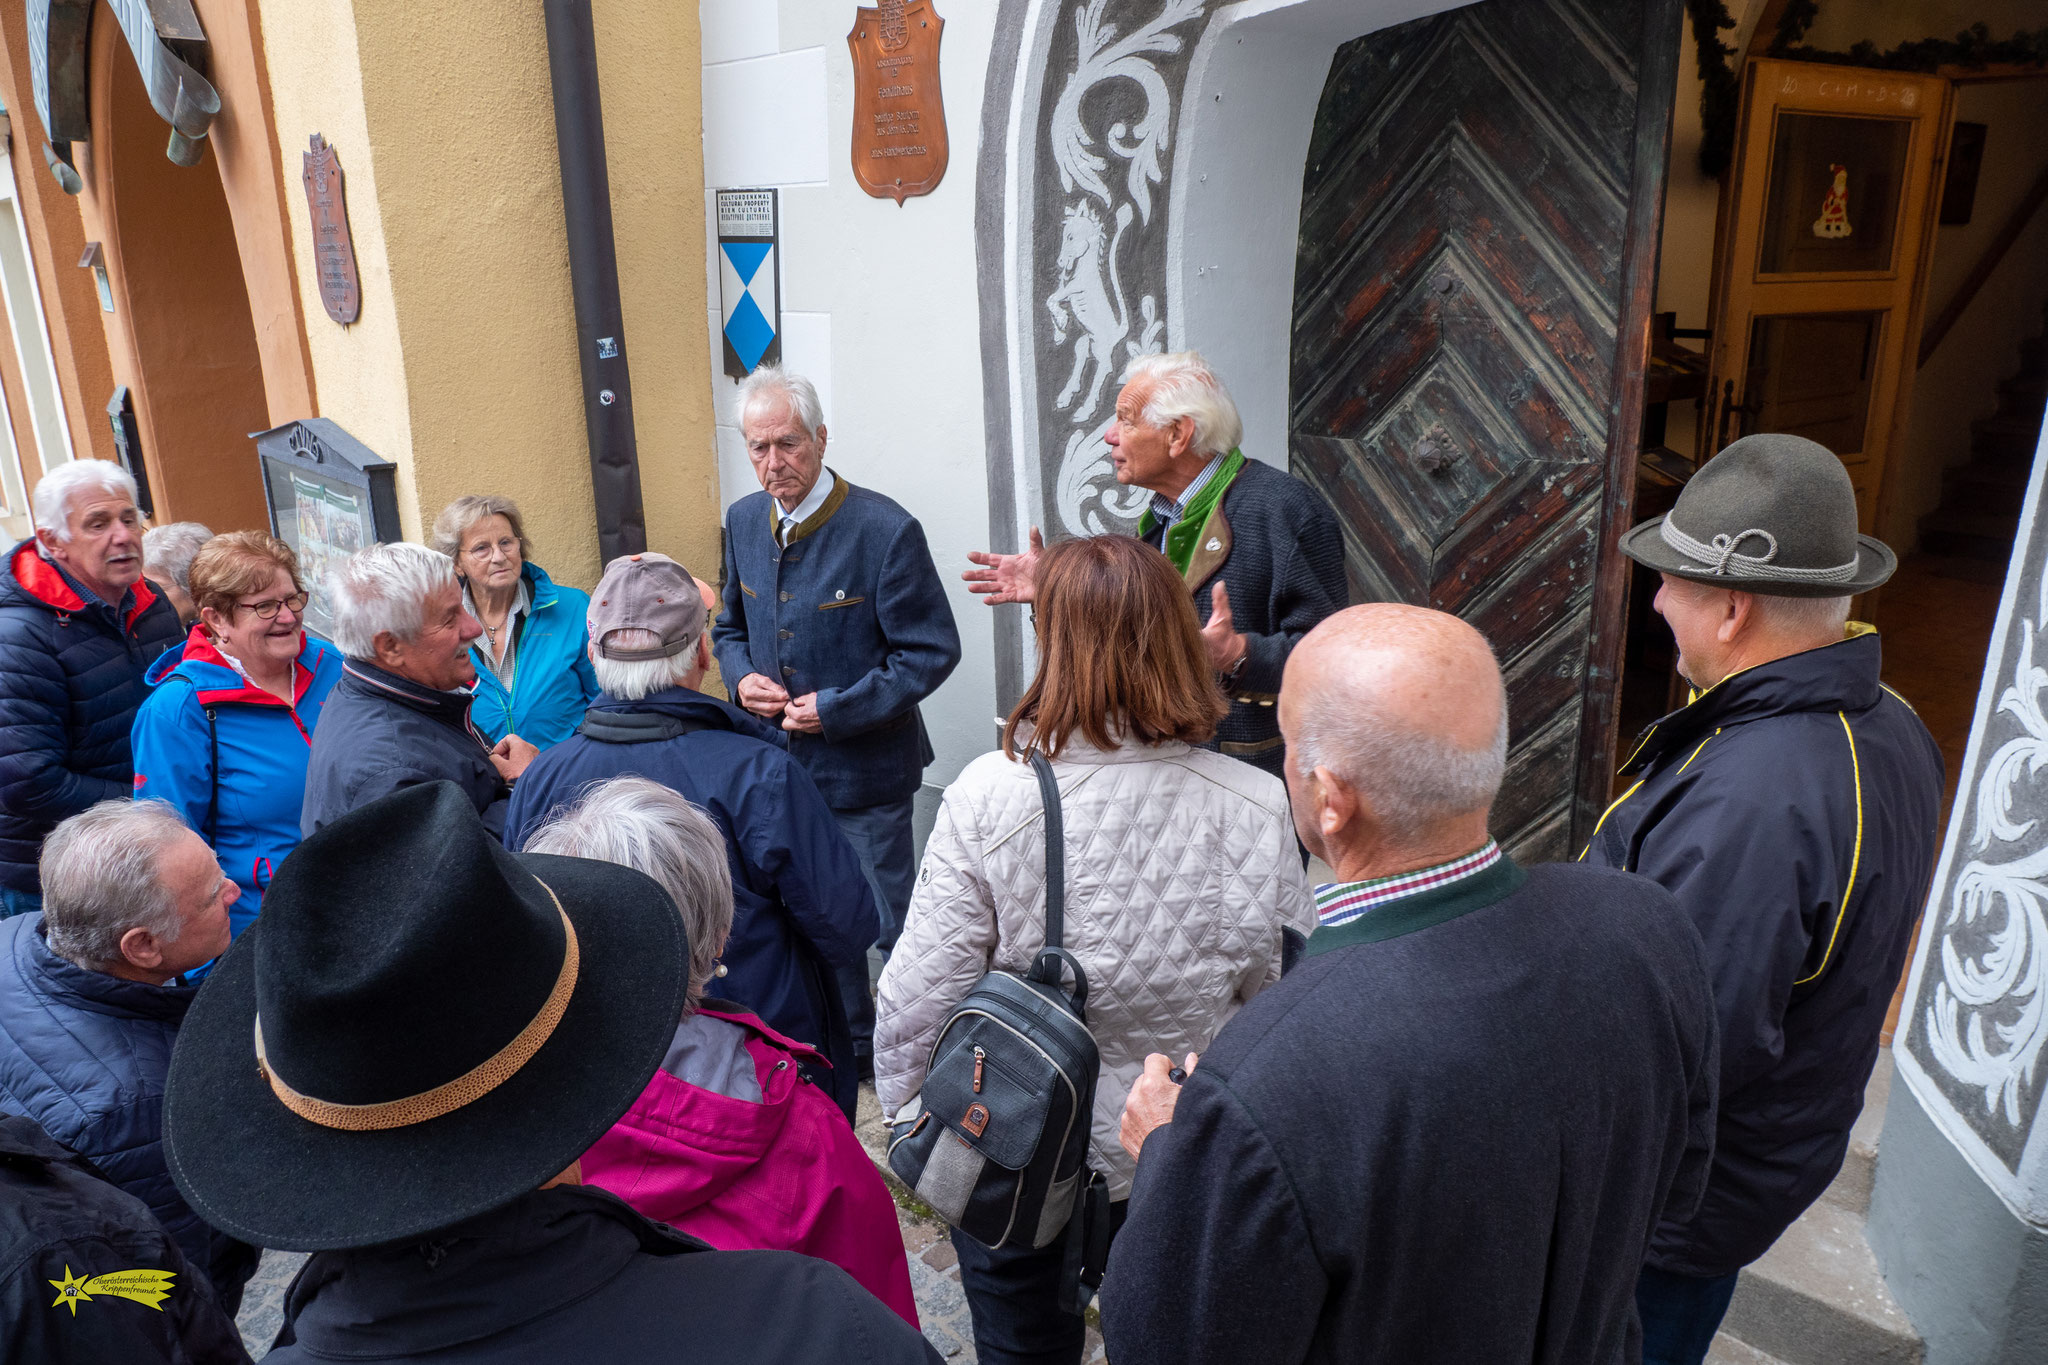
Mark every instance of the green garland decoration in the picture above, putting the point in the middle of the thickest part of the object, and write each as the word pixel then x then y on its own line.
pixel 1721 89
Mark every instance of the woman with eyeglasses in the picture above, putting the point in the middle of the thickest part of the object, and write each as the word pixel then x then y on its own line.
pixel 228 725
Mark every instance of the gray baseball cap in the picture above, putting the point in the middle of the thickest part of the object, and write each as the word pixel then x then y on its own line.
pixel 646 592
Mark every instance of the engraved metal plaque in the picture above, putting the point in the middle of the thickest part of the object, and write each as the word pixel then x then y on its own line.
pixel 334 251
pixel 899 116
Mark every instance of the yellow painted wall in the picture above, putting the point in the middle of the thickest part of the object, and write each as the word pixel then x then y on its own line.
pixel 463 367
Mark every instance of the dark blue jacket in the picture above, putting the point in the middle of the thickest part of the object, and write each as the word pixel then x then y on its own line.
pixel 552 680
pixel 853 610
pixel 263 747
pixel 85 1054
pixel 59 1220
pixel 380 732
pixel 1792 810
pixel 70 682
pixel 801 905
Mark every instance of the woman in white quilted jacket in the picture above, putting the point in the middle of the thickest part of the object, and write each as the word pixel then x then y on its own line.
pixel 1181 864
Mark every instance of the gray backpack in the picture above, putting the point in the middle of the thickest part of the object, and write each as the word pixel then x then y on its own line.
pixel 999 1145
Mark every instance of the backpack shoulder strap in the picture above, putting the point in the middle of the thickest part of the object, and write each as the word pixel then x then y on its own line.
pixel 1055 851
pixel 213 775
pixel 1053 958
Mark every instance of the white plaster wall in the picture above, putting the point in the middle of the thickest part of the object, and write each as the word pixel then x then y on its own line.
pixel 879 303
pixel 1253 87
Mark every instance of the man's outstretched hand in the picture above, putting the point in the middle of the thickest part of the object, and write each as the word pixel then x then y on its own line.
pixel 1005 578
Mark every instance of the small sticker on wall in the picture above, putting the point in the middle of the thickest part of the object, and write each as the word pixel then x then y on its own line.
pixel 1834 210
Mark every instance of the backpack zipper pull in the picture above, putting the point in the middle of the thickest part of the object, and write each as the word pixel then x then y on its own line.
pixel 979 1058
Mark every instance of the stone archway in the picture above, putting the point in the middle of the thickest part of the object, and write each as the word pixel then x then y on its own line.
pixel 1139 189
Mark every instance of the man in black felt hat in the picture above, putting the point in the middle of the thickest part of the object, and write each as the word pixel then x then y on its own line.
pixel 1791 806
pixel 399 1067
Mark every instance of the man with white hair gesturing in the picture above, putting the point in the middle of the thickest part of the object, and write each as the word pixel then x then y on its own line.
pixel 400 714
pixel 1447 1134
pixel 1260 551
pixel 78 630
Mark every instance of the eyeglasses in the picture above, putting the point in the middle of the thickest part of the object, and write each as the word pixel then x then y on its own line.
pixel 269 608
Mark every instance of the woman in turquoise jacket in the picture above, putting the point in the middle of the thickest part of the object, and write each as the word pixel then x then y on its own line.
pixel 533 674
pixel 228 724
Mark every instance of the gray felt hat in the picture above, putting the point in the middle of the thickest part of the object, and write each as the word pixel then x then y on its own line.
pixel 1771 514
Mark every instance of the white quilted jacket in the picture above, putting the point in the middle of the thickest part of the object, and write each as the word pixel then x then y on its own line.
pixel 1181 869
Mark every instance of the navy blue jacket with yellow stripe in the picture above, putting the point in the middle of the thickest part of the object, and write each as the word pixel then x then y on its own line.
pixel 1792 810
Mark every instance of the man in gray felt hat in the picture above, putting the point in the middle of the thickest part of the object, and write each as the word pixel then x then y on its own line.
pixel 1791 806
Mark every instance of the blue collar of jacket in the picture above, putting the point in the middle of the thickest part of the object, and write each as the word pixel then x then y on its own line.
pixel 371 681
pixel 81 988
pixel 534 1256
pixel 707 711
pixel 1837 677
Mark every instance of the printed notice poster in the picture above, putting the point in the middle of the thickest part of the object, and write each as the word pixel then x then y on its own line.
pixel 749 280
pixel 329 522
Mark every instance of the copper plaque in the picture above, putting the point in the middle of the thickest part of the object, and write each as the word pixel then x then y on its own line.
pixel 899 117
pixel 334 251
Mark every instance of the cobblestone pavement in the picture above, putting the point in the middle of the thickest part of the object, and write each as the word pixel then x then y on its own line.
pixel 934 1275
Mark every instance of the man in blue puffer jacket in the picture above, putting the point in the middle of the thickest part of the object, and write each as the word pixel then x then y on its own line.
pixel 92 995
pixel 78 628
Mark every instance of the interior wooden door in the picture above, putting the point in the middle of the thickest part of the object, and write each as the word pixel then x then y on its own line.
pixel 1479 228
pixel 1818 273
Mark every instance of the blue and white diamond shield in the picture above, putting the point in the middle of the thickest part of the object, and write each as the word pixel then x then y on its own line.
pixel 752 312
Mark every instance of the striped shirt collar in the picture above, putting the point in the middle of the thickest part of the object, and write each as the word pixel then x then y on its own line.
pixel 1166 511
pixel 1342 902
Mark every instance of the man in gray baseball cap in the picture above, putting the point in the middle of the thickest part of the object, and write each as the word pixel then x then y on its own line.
pixel 802 905
pixel 1791 806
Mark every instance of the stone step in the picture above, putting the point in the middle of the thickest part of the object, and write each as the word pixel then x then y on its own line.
pixel 1851 1187
pixel 1816 1298
pixel 1726 1350
pixel 1987 482
pixel 2011 438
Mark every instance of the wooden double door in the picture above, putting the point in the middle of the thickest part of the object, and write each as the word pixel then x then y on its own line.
pixel 1480 218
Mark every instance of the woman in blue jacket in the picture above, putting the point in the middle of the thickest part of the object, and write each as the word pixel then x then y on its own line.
pixel 533 674
pixel 227 728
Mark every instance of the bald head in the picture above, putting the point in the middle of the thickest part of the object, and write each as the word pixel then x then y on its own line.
pixel 1404 707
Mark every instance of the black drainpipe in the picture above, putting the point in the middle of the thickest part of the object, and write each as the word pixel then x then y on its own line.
pixel 594 276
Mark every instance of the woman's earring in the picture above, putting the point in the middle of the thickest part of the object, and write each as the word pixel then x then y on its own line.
pixel 720 970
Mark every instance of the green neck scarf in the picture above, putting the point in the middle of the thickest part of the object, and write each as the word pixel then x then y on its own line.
pixel 1182 535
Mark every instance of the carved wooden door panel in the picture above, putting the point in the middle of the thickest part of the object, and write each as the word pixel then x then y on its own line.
pixel 1479 225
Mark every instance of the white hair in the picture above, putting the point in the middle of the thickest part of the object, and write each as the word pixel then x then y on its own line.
pixel 171 550
pixel 643 825
pixel 1822 617
pixel 102 876
pixel 383 589
pixel 1183 385
pixel 632 679
pixel 58 489
pixel 772 383
pixel 1414 780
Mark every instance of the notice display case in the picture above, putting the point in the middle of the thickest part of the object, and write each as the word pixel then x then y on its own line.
pixel 328 495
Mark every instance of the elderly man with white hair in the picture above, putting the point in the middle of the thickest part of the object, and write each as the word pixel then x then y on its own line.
pixel 836 626
pixel 1447 1135
pixel 804 909
pixel 1260 551
pixel 78 630
pixel 399 716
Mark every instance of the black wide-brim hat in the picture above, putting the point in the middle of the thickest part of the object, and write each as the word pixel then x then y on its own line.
pixel 445 1026
pixel 1771 514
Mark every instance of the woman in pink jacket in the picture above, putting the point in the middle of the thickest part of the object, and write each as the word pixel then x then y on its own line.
pixel 728 1142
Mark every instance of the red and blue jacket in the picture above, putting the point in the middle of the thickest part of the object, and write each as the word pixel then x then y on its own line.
pixel 263 746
